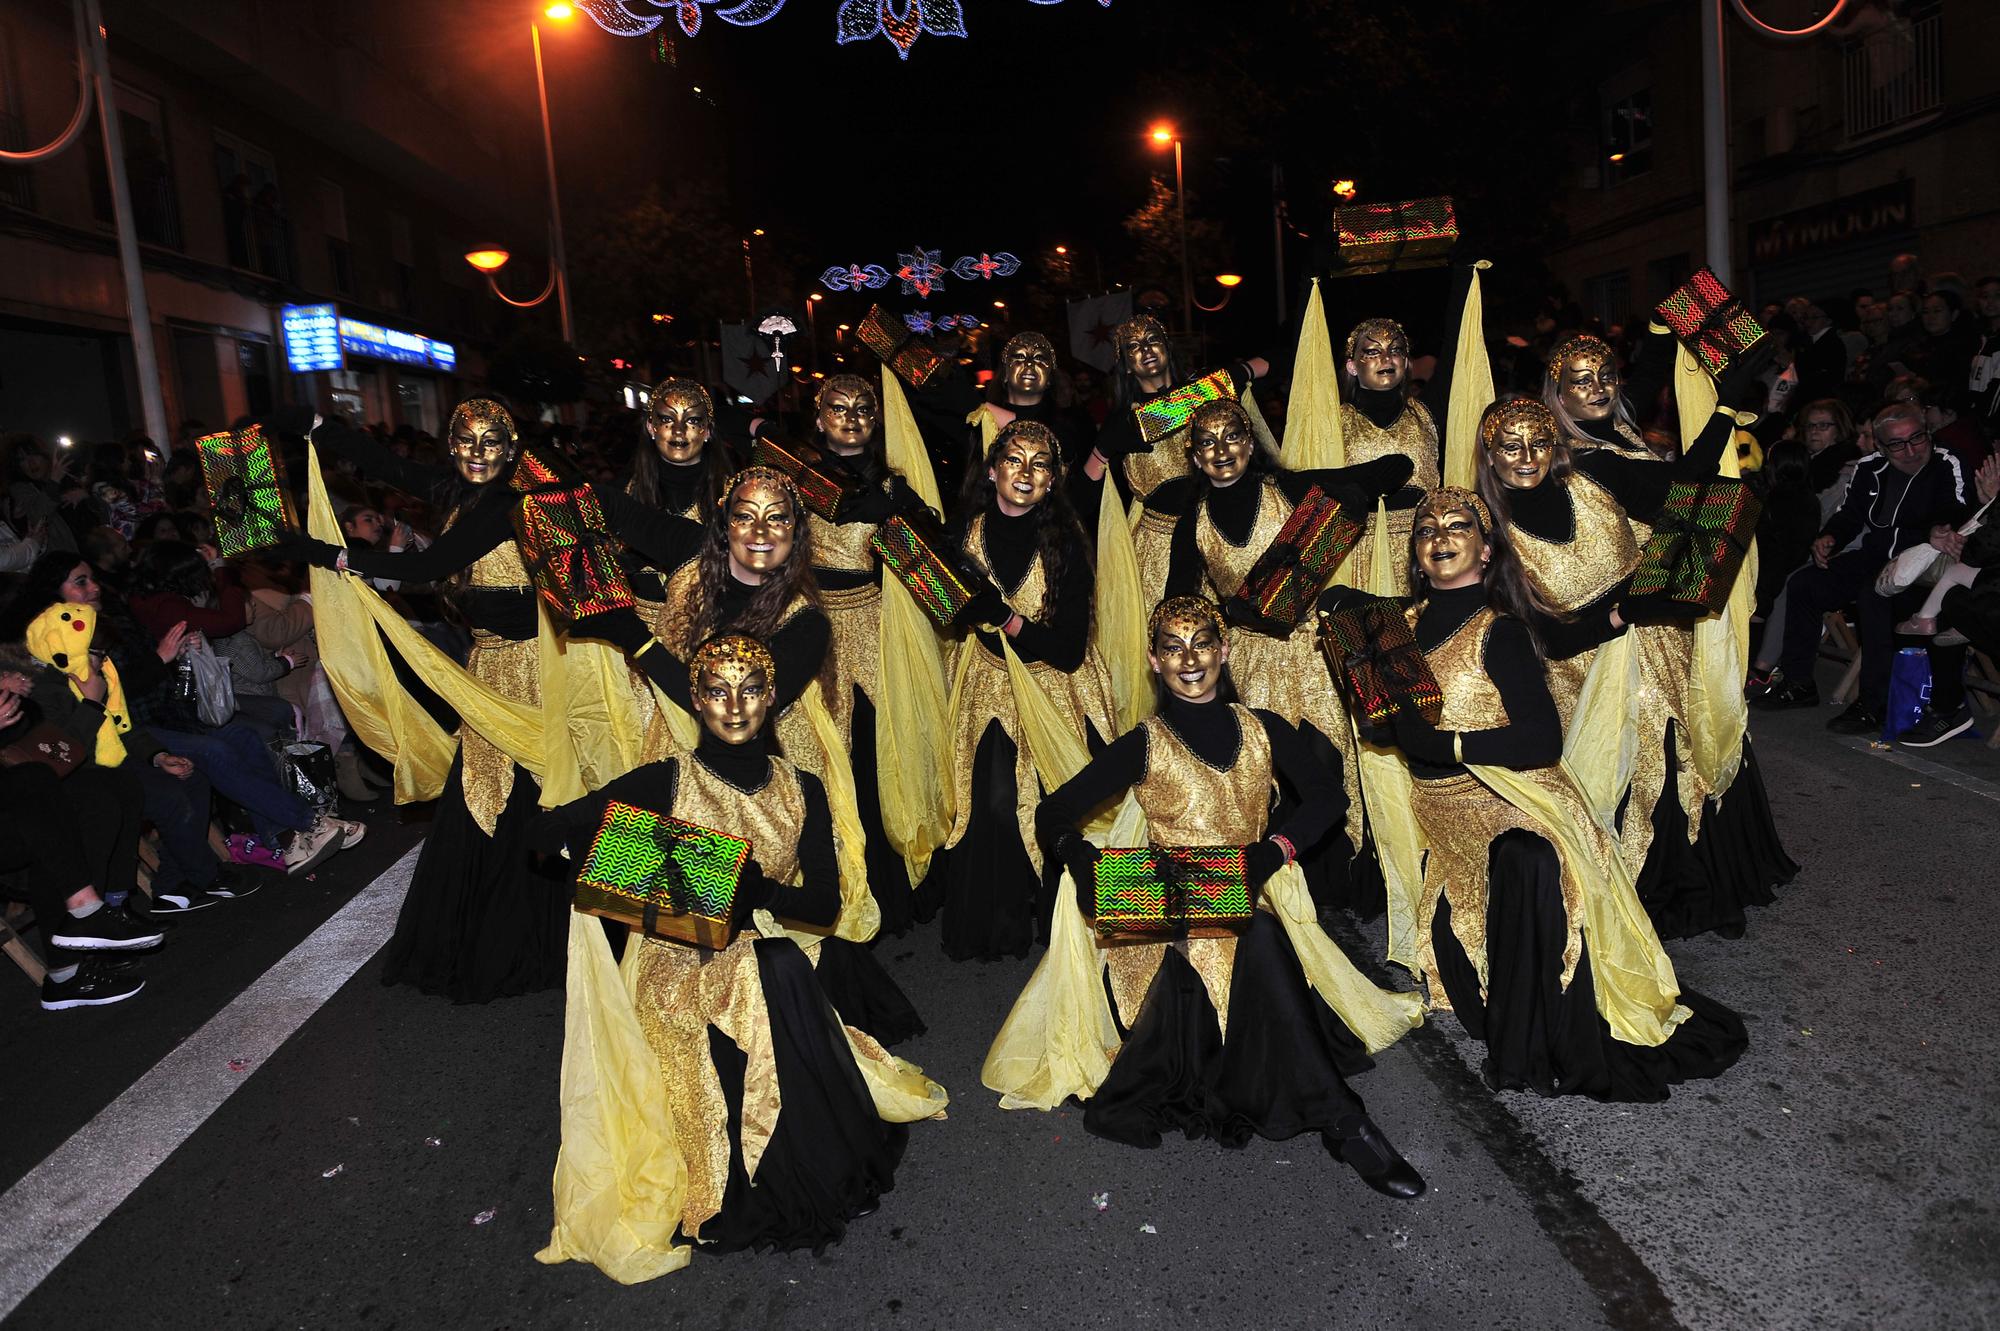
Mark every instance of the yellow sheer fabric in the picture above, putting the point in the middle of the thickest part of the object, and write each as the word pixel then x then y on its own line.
pixel 1637 992
pixel 1379 1017
pixel 860 918
pixel 620 1180
pixel 1120 612
pixel 989 426
pixel 1258 425
pixel 1399 847
pixel 1313 437
pixel 912 731
pixel 1717 712
pixel 1471 388
pixel 381 714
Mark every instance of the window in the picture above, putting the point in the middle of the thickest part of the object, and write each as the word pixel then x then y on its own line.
pixel 1628 137
pixel 258 234
pixel 1608 298
pixel 149 172
pixel 333 223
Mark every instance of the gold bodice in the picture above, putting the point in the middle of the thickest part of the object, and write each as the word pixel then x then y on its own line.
pixel 1031 596
pixel 1601 550
pixel 769 818
pixel 500 567
pixel 683 600
pixel 1147 472
pixel 1229 564
pixel 842 545
pixel 1471 701
pixel 1187 802
pixel 1412 435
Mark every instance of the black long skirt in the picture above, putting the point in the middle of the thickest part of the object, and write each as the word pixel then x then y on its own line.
pixel 1734 863
pixel 989 899
pixel 480 922
pixel 1739 844
pixel 1543 1038
pixel 1339 875
pixel 830 1158
pixel 1281 1072
pixel 865 995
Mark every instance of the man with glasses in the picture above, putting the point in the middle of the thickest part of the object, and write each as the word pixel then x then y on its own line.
pixel 1904 495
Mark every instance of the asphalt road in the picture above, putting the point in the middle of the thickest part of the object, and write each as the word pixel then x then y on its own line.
pixel 230 1151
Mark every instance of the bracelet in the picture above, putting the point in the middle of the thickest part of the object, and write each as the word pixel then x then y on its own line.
pixel 1458 746
pixel 650 644
pixel 340 561
pixel 1285 844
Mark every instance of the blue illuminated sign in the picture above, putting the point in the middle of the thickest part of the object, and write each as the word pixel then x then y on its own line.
pixel 312 338
pixel 316 336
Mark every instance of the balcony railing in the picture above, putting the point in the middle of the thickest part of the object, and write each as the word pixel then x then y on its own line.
pixel 1894 75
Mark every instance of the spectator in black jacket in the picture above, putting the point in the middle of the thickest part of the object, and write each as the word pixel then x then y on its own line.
pixel 1903 496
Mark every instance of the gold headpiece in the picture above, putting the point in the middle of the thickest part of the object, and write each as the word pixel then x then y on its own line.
pixel 683 388
pixel 1585 347
pixel 736 652
pixel 479 411
pixel 1446 498
pixel 1028 342
pixel 771 474
pixel 1384 328
pixel 1516 411
pixel 1183 608
pixel 1029 431
pixel 850 384
pixel 1226 407
pixel 1125 334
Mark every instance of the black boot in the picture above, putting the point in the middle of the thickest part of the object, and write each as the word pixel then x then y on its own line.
pixel 1361 1144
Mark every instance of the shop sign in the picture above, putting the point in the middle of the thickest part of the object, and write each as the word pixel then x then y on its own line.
pixel 1874 214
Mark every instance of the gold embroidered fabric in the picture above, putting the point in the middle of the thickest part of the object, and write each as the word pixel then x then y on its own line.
pixel 1189 803
pixel 854 649
pixel 1229 563
pixel 513 670
pixel 1471 699
pixel 1413 435
pixel 1147 472
pixel 769 818
pixel 842 545
pixel 501 568
pixel 1602 549
pixel 1152 548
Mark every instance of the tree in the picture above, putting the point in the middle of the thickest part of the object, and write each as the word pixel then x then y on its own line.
pixel 1156 230
pixel 665 254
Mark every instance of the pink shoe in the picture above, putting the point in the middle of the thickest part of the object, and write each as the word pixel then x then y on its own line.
pixel 249 850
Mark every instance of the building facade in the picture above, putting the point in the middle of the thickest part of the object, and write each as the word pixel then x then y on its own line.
pixel 1877 138
pixel 279 154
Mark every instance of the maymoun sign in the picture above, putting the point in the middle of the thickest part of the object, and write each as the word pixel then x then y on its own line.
pixel 1872 215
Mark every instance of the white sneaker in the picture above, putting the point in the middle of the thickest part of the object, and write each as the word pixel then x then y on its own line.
pixel 351 833
pixel 309 847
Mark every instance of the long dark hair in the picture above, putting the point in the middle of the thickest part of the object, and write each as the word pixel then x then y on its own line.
pixel 170 568
pixel 1125 389
pixel 767 606
pixel 1787 466
pixel 1057 531
pixel 1508 588
pixel 648 473
pixel 39 588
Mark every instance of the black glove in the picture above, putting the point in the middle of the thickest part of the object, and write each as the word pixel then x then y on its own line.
pixel 987 608
pixel 754 891
pixel 1080 857
pixel 1261 859
pixel 1120 436
pixel 905 500
pixel 1657 608
pixel 1421 740
pixel 304 549
pixel 1381 476
pixel 873 506
pixel 1740 387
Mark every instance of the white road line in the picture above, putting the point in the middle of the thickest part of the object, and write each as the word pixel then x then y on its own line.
pixel 55 1207
pixel 1925 767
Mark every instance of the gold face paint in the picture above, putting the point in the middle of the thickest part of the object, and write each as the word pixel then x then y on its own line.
pixel 1029 363
pixel 681 420
pixel 1448 538
pixel 1187 646
pixel 1378 354
pixel 1025 470
pixel 1587 378
pixel 481 439
pixel 1520 443
pixel 762 516
pixel 732 679
pixel 848 413
pixel 1220 442
pixel 1142 348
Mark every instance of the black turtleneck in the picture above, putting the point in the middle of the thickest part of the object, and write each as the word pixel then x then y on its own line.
pixel 1233 508
pixel 1120 435
pixel 1532 736
pixel 666 539
pixel 1211 730
pixel 1011 545
pixel 745 767
pixel 678 489
pixel 1381 405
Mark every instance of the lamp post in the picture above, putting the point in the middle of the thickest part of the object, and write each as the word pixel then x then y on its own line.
pixel 812 323
pixel 559 264
pixel 1162 135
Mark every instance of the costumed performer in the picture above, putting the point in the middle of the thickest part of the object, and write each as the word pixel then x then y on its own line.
pixel 1530 929
pixel 770 1101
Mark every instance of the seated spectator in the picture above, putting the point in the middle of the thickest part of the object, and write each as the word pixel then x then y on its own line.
pixel 1944 356
pixel 1827 430
pixel 1947 428
pixel 1906 495
pixel 1950 632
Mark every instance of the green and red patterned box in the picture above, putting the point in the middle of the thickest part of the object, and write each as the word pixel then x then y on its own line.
pixel 1379 237
pixel 1699 542
pixel 245 479
pixel 1371 651
pixel 1279 591
pixel 1153 893
pixel 908 356
pixel 819 490
pixel 1169 413
pixel 914 548
pixel 1709 320
pixel 568 551
pixel 663 876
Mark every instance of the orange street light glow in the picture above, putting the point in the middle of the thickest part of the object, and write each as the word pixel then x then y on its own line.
pixel 1162 134
pixel 816 296
pixel 1618 157
pixel 488 258
pixel 1229 279
pixel 1062 249
pixel 1344 188
pixel 559 12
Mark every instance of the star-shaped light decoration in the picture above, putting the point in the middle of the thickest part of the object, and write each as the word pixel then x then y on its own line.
pixel 921 272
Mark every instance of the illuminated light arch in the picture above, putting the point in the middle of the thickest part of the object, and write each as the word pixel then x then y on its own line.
pixel 900 21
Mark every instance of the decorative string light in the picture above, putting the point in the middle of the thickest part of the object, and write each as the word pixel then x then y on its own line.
pixel 855 277
pixel 901 22
pixel 922 271
pixel 985 267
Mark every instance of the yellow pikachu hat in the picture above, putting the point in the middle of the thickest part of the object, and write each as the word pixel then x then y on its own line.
pixel 60 636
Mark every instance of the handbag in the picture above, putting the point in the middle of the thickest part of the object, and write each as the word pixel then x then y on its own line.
pixel 214 686
pixel 309 773
pixel 49 745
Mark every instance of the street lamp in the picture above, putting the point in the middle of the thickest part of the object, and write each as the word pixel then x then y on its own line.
pixel 490 259
pixel 812 324
pixel 1163 134
pixel 558 265
pixel 1228 282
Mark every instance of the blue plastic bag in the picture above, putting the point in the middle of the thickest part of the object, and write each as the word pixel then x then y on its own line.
pixel 1909 691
